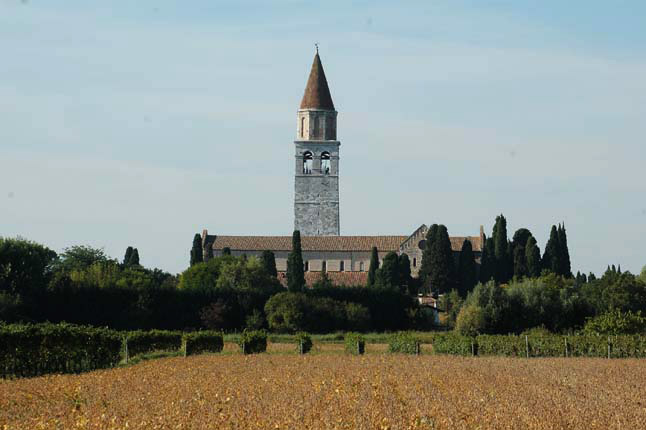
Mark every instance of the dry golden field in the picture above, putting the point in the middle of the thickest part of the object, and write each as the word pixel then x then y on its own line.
pixel 334 391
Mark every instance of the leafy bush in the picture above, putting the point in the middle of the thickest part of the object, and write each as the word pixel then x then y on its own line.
pixel 403 342
pixel 616 322
pixel 203 341
pixel 253 341
pixel 355 343
pixel 141 342
pixel 451 343
pixel 470 320
pixel 303 342
pixel 37 349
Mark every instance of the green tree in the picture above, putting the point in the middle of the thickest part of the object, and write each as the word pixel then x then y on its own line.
pixel 196 250
pixel 487 261
pixel 127 256
pixel 532 258
pixel 501 250
pixel 642 276
pixel 565 268
pixel 470 321
pixel 551 258
pixel 269 263
pixel 295 269
pixel 25 266
pixel 405 279
pixel 388 273
pixel 374 265
pixel 442 272
pixel 467 269
pixel 425 267
pixel 134 259
pixel 518 245
pixel 79 257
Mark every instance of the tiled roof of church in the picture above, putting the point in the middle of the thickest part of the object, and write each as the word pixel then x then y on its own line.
pixel 327 243
pixel 317 94
pixel 310 243
pixel 337 278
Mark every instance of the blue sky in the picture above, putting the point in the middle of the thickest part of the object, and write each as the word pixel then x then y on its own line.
pixel 141 123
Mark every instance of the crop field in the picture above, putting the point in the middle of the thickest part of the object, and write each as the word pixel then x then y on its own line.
pixel 328 390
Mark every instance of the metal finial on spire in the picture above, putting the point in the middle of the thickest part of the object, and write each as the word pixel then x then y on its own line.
pixel 316 44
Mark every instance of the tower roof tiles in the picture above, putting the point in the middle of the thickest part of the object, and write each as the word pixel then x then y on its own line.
pixel 317 93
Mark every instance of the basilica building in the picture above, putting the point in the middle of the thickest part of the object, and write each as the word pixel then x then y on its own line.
pixel 316 205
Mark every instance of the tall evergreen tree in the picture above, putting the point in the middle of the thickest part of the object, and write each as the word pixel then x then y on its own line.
pixel 374 265
pixel 388 273
pixel 405 278
pixel 487 261
pixel 196 250
pixel 127 256
pixel 209 252
pixel 269 263
pixel 518 245
pixel 565 268
pixel 134 258
pixel 467 269
pixel 442 272
pixel 532 258
pixel 551 260
pixel 425 267
pixel 501 250
pixel 295 269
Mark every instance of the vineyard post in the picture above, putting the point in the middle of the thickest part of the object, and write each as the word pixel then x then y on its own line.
pixel 608 346
pixel 473 349
pixel 300 346
pixel 358 348
pixel 416 348
pixel 565 347
pixel 126 349
pixel 527 346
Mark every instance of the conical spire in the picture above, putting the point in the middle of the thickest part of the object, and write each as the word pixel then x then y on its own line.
pixel 317 94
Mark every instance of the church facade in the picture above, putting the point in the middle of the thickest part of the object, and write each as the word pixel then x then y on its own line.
pixel 346 259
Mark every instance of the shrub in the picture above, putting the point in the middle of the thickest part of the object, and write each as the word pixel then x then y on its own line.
pixel 357 317
pixel 37 349
pixel 453 343
pixel 470 321
pixel 355 343
pixel 253 341
pixel 303 342
pixel 616 322
pixel 403 342
pixel 141 342
pixel 203 341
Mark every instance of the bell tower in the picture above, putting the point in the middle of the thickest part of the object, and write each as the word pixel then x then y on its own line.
pixel 316 184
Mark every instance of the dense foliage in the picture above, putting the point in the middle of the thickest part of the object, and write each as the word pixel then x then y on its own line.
pixel 303 342
pixel 354 343
pixel 404 342
pixel 253 341
pixel 141 342
pixel 203 341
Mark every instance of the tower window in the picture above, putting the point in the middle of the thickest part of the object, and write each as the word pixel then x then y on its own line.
pixel 342 266
pixel 324 266
pixel 414 262
pixel 325 163
pixel 307 163
pixel 307 266
pixel 302 126
pixel 361 266
pixel 315 132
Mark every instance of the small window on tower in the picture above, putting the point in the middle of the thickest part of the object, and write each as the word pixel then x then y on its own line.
pixel 307 163
pixel 315 132
pixel 414 262
pixel 325 163
pixel 361 266
pixel 302 126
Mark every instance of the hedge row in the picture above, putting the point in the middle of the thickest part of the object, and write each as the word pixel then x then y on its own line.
pixel 625 346
pixel 404 342
pixel 203 341
pixel 142 342
pixel 31 350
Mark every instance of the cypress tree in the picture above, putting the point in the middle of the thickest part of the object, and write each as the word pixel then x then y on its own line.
pixel 269 263
pixel 486 261
pixel 127 256
pixel 295 269
pixel 374 265
pixel 134 258
pixel 501 250
pixel 518 245
pixel 405 278
pixel 425 267
pixel 209 251
pixel 388 273
pixel 565 268
pixel 467 268
pixel 551 258
pixel 442 267
pixel 533 258
pixel 196 250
